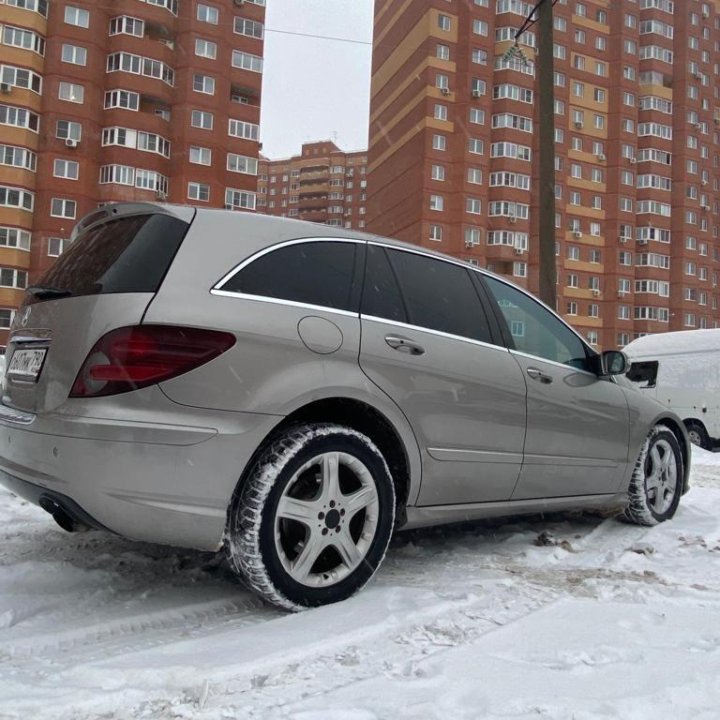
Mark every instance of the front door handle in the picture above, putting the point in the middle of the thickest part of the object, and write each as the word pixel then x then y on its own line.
pixel 403 344
pixel 539 375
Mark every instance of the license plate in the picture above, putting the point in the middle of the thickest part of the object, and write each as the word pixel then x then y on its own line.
pixel 26 364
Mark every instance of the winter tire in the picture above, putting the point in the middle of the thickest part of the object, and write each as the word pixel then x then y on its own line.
pixel 657 481
pixel 311 523
pixel 698 436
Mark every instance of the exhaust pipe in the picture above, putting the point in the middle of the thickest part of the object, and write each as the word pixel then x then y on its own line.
pixel 61 516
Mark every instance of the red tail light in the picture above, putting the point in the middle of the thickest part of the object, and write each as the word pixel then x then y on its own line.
pixel 130 358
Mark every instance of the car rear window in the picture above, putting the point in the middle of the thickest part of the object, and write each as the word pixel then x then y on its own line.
pixel 127 255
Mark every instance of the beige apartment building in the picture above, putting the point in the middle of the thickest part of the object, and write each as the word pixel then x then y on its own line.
pixel 453 149
pixel 129 100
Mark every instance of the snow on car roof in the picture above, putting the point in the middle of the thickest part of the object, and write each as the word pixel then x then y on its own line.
pixel 672 343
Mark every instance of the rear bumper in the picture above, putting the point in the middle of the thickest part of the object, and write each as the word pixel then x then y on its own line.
pixel 157 481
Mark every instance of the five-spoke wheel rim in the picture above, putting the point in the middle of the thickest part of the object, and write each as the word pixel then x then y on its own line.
pixel 660 476
pixel 326 519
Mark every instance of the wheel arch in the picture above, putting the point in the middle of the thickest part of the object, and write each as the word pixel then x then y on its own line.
pixel 367 420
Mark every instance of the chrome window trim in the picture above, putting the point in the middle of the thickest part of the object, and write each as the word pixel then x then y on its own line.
pixel 438 333
pixel 272 248
pixel 281 301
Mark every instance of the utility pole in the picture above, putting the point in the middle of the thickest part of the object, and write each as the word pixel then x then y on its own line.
pixel 546 143
pixel 545 94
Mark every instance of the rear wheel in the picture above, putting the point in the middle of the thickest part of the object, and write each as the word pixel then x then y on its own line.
pixel 311 524
pixel 698 435
pixel 657 481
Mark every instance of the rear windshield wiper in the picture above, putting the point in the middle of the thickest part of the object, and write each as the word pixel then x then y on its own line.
pixel 43 292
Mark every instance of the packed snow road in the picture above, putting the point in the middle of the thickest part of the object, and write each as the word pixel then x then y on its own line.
pixel 571 616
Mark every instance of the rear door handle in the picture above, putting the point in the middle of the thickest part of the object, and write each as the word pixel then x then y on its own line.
pixel 403 344
pixel 539 375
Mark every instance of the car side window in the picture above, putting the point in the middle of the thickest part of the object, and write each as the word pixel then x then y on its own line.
pixel 535 330
pixel 317 273
pixel 439 295
pixel 381 293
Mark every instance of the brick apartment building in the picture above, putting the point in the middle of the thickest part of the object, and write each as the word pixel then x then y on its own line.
pixel 123 100
pixel 452 153
pixel 322 184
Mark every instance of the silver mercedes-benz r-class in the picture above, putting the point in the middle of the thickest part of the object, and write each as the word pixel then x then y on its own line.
pixel 295 392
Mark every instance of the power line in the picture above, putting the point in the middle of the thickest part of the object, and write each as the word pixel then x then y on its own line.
pixel 319 37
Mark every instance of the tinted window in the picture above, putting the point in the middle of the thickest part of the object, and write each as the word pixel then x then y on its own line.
pixel 317 273
pixel 535 330
pixel 439 295
pixel 128 255
pixel 381 294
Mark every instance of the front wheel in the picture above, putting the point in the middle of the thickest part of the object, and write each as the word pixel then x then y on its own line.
pixel 657 481
pixel 313 520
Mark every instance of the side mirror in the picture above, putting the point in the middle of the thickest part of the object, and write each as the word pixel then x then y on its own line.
pixel 613 362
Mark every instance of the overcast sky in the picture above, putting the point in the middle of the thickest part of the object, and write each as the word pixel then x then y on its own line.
pixel 315 89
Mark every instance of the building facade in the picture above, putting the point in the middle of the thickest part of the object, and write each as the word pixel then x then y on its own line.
pixel 323 184
pixel 133 100
pixel 452 153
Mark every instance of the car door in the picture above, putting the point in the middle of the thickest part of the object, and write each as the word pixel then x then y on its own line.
pixel 577 423
pixel 427 342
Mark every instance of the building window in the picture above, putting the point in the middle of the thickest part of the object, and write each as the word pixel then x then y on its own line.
pixel 204 84
pixel 444 22
pixel 442 52
pixel 38 6
pixel 6 318
pixel 437 202
pixel 242 164
pixel 208 14
pixel 57 246
pixel 126 25
pixel 16 197
pixel 246 61
pixel 205 48
pixel 241 129
pixel 439 142
pixel 139 65
pixel 68 130
pixel 198 191
pixel 200 155
pixel 74 54
pixel 60 207
pixel 473 206
pixel 125 99
pixel 437 172
pixel 436 233
pixel 21 78
pixel 239 199
pixel 77 16
pixel 201 119
pixel 13 278
pixel 68 169
pixel 249 28
pixel 25 39
pixel 14 238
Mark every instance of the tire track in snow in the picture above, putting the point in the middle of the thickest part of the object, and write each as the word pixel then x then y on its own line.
pixel 134 633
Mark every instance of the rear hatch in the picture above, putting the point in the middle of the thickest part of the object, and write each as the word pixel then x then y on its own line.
pixel 105 280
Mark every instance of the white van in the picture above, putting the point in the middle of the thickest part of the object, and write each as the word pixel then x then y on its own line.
pixel 682 371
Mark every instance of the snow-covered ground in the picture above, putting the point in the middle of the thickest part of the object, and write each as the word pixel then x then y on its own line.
pixel 566 617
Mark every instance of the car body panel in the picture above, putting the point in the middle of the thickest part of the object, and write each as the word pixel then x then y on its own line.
pixel 53 325
pixel 466 403
pixel 577 432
